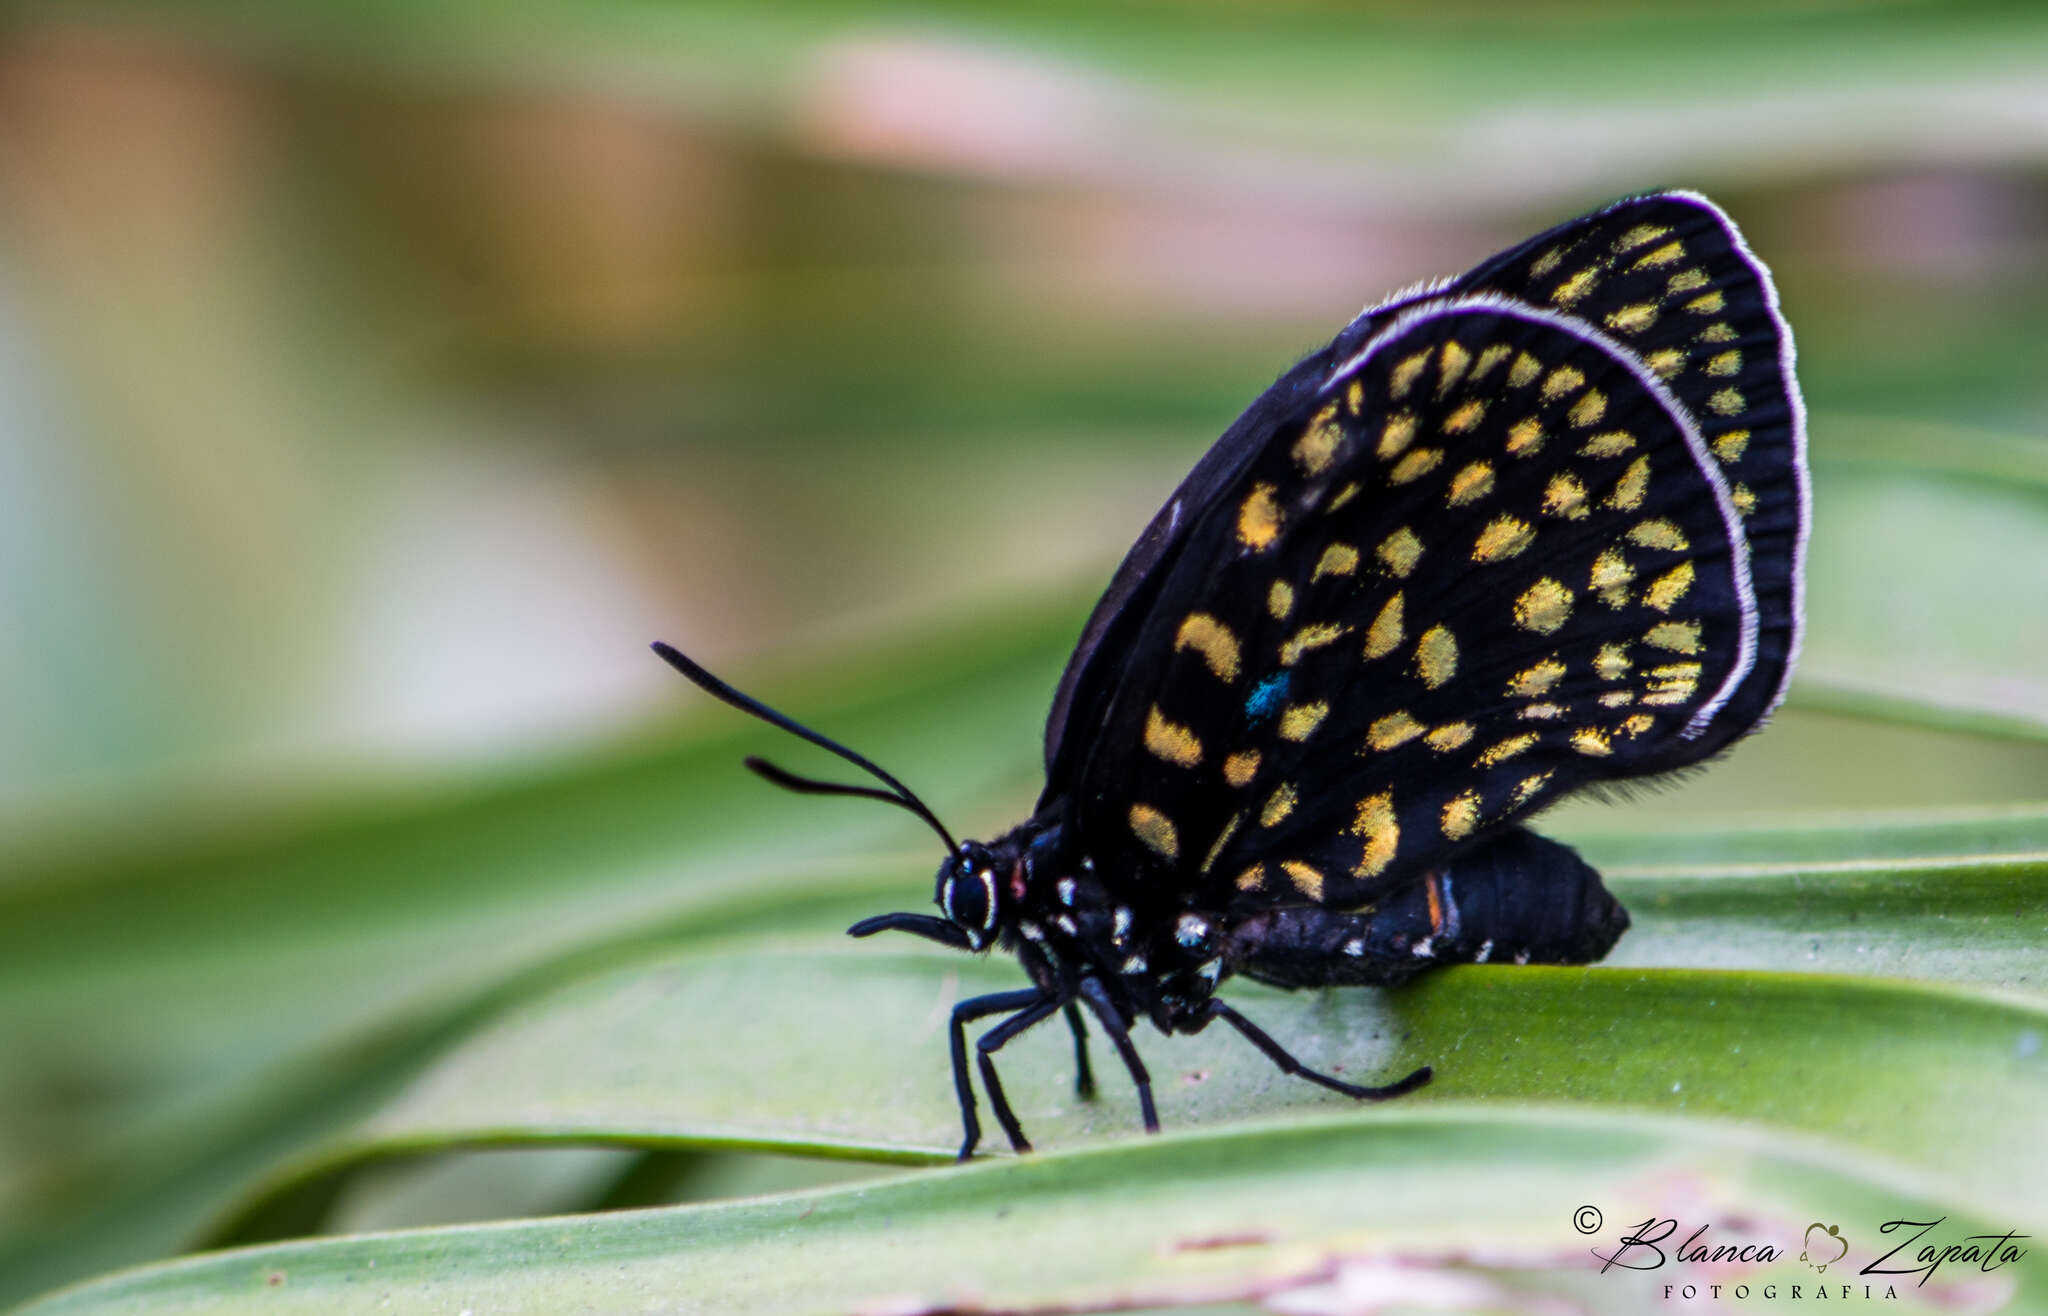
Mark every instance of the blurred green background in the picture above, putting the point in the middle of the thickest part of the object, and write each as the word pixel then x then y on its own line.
pixel 377 381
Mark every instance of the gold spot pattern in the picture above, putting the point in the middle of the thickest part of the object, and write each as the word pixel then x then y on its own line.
pixel 1449 736
pixel 1525 438
pixel 1725 363
pixel 1743 498
pixel 1382 833
pixel 1240 768
pixel 1547 262
pixel 1543 607
pixel 1385 633
pixel 1155 831
pixel 1307 638
pixel 1729 447
pixel 1504 537
pixel 1306 880
pixel 1542 712
pixel 1525 790
pixel 1344 495
pixel 1669 588
pixel 1565 496
pixel 1488 359
pixel 1617 699
pixel 1251 879
pixel 1611 576
pixel 1392 730
pixel 1631 487
pixel 1589 409
pixel 1405 374
pixel 1471 484
pixel 1507 749
pixel 1415 465
pixel 1354 396
pixel 1213 640
pixel 1280 600
pixel 1337 560
pixel 1524 371
pixel 1170 740
pixel 1632 319
pixel 1400 551
pixel 1536 679
pixel 1677 636
pixel 1591 743
pixel 1278 805
pixel 1666 361
pixel 1397 434
pixel 1684 282
pixel 1612 661
pixel 1461 815
pixel 1452 368
pixel 1613 443
pixel 1576 287
pixel 1637 723
pixel 1665 255
pixel 1658 533
pixel 1465 418
pixel 1638 236
pixel 1222 839
pixel 1259 520
pixel 1299 722
pixel 1712 303
pixel 1561 381
pixel 1436 657
pixel 1316 449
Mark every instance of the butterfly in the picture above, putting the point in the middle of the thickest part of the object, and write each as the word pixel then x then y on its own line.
pixel 1508 536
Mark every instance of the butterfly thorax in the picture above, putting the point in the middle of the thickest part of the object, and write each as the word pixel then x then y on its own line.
pixel 1035 892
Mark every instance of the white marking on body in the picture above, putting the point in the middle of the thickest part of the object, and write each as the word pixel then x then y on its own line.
pixel 1354 947
pixel 1123 922
pixel 1066 889
pixel 1485 952
pixel 1191 929
pixel 1425 948
pixel 1135 964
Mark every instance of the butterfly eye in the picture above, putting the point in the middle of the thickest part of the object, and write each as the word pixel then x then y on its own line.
pixel 969 898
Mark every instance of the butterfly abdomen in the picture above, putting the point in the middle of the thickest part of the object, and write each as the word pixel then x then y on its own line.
pixel 1517 899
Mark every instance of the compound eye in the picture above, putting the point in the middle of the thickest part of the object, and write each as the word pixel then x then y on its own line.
pixel 970 899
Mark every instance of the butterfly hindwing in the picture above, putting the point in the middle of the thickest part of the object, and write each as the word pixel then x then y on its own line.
pixel 1488 562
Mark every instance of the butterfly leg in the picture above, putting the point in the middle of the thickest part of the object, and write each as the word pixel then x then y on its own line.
pixel 1278 1054
pixel 963 1084
pixel 992 1041
pixel 1084 1077
pixel 1113 1024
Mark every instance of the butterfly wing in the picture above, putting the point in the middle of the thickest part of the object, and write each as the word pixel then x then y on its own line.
pixel 1489 562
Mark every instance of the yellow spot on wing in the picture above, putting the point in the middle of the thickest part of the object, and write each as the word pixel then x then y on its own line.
pixel 1523 373
pixel 1726 402
pixel 1561 381
pixel 1612 443
pixel 1170 740
pixel 1306 880
pixel 1659 533
pixel 1213 640
pixel 1465 417
pixel 1565 496
pixel 1536 679
pixel 1455 359
pixel 1309 637
pixel 1278 805
pixel 1729 447
pixel 1711 303
pixel 1488 359
pixel 1743 498
pixel 1393 730
pixel 1725 363
pixel 1507 749
pixel 1436 656
pixel 1542 712
pixel 1669 588
pixel 1344 495
pixel 1685 281
pixel 1631 487
pixel 1504 537
pixel 1632 319
pixel 1677 636
pixel 1589 409
pixel 1240 768
pixel 1400 551
pixel 1155 830
pixel 1449 736
pixel 1525 437
pixel 1547 262
pixel 1666 361
pixel 1397 433
pixel 1415 465
pixel 1543 607
pixel 1259 519
pixel 1222 839
pixel 1610 570
pixel 1617 698
pixel 1300 722
pixel 1354 396
pixel 1384 635
pixel 1461 815
pixel 1612 661
pixel 1251 879
pixel 1664 255
pixel 1576 287
pixel 1638 236
pixel 1471 484
pixel 1591 743
pixel 1526 789
pixel 1405 374
pixel 1376 823
pixel 1316 449
pixel 1280 600
pixel 1337 560
pixel 1636 724
pixel 1722 332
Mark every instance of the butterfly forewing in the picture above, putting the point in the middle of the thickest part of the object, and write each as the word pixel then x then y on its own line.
pixel 1488 562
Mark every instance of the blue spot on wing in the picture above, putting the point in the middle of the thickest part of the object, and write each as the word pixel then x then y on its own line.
pixel 1266 697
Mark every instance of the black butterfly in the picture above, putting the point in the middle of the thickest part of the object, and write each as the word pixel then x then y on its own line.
pixel 1509 535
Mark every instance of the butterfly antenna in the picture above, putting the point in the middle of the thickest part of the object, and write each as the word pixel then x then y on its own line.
pixel 898 794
